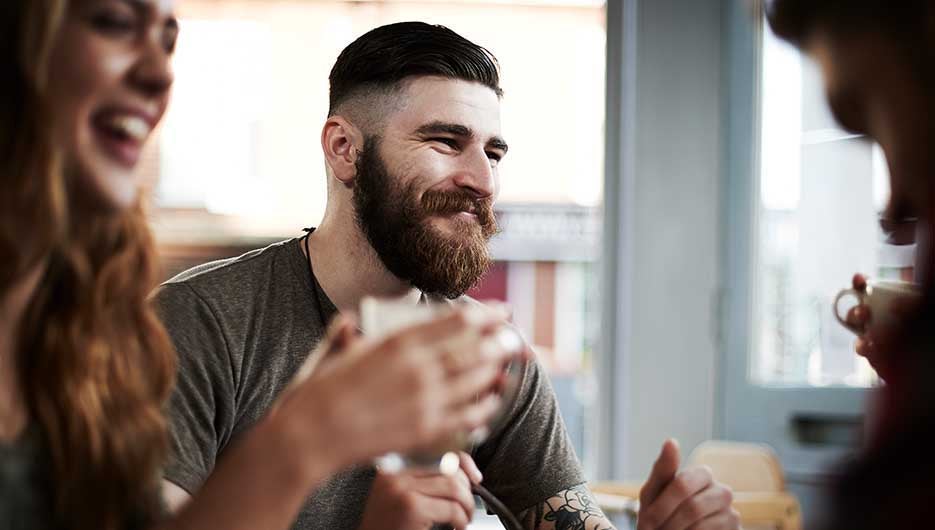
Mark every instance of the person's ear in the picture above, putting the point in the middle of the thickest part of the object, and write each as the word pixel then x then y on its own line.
pixel 341 142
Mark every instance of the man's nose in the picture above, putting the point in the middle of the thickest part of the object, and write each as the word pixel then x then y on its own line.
pixel 476 174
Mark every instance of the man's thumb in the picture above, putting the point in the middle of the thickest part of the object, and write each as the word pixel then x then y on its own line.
pixel 663 472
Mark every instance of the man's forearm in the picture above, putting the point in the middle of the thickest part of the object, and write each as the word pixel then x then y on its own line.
pixel 574 509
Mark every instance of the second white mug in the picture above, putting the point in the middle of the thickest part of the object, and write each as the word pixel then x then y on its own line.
pixel 880 296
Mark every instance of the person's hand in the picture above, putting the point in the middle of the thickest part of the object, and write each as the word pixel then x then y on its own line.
pixel 872 343
pixel 858 319
pixel 674 500
pixel 415 501
pixel 409 390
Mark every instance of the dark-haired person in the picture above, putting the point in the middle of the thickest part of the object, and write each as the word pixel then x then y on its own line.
pixel 412 144
pixel 86 367
pixel 878 62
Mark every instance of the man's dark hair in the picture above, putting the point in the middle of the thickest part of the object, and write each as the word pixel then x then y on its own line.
pixel 796 20
pixel 383 57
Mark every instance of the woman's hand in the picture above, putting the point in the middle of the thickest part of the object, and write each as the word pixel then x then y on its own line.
pixel 873 342
pixel 411 389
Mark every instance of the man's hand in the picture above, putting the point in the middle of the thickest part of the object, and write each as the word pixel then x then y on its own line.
pixel 414 501
pixel 673 500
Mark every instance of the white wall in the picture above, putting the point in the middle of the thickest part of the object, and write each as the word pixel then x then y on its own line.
pixel 666 225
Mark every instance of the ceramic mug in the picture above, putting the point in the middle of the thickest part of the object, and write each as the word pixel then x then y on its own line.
pixel 879 297
pixel 379 317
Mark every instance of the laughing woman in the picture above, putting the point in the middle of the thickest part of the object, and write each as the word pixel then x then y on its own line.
pixel 85 366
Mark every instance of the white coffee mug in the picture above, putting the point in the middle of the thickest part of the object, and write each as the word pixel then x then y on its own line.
pixel 879 297
pixel 379 317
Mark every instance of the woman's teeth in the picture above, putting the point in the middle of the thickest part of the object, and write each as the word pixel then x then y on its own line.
pixel 132 127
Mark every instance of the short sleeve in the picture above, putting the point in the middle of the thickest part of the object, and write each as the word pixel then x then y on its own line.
pixel 201 409
pixel 530 457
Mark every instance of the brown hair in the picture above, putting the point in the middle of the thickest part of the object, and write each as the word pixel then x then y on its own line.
pixel 95 364
pixel 33 194
pixel 795 20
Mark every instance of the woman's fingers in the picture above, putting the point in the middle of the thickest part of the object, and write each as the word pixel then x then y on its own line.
pixel 468 385
pixel 421 383
pixel 451 323
pixel 858 317
pixel 865 346
pixel 472 415
pixel 859 282
pixel 339 337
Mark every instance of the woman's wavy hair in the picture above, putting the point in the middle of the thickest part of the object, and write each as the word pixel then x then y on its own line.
pixel 95 365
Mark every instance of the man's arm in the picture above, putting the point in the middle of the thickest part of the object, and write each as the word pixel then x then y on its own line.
pixel 670 499
pixel 572 509
pixel 202 409
pixel 174 496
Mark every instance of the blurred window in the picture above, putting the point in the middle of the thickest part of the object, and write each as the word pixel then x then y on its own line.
pixel 821 190
pixel 241 139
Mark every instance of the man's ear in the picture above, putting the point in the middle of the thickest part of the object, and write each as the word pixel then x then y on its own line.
pixel 341 142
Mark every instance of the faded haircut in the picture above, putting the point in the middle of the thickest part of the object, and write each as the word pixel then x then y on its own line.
pixel 379 62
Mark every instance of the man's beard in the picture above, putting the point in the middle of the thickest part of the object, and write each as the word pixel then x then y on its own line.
pixel 397 224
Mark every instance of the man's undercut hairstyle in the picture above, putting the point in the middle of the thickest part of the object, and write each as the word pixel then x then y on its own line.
pixel 381 59
pixel 796 20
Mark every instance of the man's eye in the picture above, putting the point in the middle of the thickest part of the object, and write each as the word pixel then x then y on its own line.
pixel 494 156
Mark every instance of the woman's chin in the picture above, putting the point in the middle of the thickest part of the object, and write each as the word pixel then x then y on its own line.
pixel 107 186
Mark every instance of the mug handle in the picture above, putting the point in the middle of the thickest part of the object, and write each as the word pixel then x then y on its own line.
pixel 837 312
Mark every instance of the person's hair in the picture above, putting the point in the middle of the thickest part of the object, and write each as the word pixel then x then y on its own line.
pixel 32 195
pixel 381 59
pixel 94 364
pixel 795 20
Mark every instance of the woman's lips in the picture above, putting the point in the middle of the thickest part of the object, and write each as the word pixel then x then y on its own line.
pixel 121 135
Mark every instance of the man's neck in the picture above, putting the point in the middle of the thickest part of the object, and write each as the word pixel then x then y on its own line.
pixel 348 268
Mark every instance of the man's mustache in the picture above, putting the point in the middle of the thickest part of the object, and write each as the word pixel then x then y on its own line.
pixel 450 202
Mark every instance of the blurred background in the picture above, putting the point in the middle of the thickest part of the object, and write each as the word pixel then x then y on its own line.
pixel 679 208
pixel 238 164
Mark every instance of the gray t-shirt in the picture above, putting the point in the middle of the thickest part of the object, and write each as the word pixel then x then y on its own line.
pixel 25 495
pixel 242 328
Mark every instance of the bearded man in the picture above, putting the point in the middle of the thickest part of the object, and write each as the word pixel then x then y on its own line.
pixel 412 144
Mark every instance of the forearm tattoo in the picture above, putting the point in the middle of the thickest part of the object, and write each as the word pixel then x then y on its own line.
pixel 572 509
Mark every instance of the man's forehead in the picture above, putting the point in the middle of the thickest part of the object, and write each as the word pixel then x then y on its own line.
pixel 436 99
